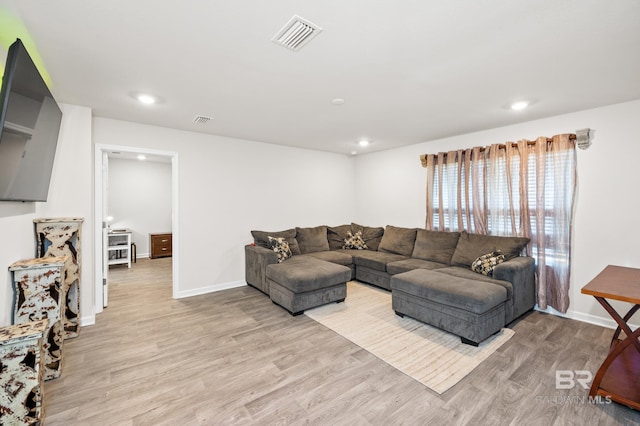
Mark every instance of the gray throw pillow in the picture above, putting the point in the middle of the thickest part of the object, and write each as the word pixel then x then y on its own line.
pixel 472 246
pixel 398 240
pixel 261 238
pixel 371 235
pixel 312 240
pixel 435 246
pixel 336 236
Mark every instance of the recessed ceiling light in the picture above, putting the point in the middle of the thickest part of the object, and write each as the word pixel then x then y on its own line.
pixel 517 106
pixel 363 142
pixel 142 157
pixel 354 152
pixel 146 99
pixel 338 101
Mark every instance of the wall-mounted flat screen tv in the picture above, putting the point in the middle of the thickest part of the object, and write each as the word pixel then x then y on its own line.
pixel 29 124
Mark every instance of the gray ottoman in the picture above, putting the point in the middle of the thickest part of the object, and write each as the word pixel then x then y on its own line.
pixel 473 310
pixel 303 282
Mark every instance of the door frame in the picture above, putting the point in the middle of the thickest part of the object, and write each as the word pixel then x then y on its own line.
pixel 101 149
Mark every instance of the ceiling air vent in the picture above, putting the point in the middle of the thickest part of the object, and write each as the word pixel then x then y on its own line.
pixel 296 33
pixel 201 119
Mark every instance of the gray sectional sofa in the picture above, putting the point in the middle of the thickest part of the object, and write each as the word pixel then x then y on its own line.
pixel 428 273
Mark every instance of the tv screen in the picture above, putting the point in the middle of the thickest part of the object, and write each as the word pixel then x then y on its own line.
pixel 30 120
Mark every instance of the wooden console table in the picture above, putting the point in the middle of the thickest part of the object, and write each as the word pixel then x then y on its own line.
pixel 618 377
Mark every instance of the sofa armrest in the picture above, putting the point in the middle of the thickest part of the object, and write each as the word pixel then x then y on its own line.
pixel 520 272
pixel 256 259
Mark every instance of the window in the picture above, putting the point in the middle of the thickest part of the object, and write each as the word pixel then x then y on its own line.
pixel 525 189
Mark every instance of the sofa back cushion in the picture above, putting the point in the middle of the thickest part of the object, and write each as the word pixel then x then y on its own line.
pixel 336 236
pixel 472 246
pixel 311 240
pixel 261 238
pixel 435 246
pixel 398 240
pixel 371 235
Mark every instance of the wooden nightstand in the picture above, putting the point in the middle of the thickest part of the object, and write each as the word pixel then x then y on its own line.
pixel 160 245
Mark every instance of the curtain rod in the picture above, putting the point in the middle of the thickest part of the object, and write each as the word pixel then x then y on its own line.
pixel 583 138
pixel 572 137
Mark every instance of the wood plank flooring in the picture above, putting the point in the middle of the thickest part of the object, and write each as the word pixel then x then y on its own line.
pixel 233 357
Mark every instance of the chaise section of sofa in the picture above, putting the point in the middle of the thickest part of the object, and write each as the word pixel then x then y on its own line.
pixel 457 298
pixel 305 282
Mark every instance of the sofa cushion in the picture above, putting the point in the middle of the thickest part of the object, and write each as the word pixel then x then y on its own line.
pixel 460 272
pixel 398 240
pixel 370 235
pixel 336 236
pixel 312 240
pixel 437 246
pixel 354 241
pixel 333 256
pixel 401 266
pixel 281 247
pixel 472 246
pixel 261 238
pixel 304 273
pixel 470 295
pixel 377 260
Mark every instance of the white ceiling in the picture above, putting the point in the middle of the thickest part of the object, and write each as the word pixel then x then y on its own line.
pixel 409 71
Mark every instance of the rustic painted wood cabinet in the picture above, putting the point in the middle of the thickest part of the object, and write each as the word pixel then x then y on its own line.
pixel 61 237
pixel 21 373
pixel 38 294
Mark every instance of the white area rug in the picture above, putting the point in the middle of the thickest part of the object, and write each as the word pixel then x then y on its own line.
pixel 431 356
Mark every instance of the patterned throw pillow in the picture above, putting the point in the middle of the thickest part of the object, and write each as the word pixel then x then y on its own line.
pixel 484 264
pixel 281 247
pixel 354 241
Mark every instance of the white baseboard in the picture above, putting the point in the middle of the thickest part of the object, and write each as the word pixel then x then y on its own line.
pixel 588 318
pixel 87 320
pixel 210 289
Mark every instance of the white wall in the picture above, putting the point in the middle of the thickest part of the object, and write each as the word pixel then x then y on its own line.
pixel 228 187
pixel 390 189
pixel 140 199
pixel 69 196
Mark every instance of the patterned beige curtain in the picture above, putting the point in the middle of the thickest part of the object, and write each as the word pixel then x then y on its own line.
pixel 525 189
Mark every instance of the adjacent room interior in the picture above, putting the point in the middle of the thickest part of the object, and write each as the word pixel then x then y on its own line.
pixel 138 209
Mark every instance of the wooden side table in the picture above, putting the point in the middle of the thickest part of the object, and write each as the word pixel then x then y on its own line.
pixel 619 375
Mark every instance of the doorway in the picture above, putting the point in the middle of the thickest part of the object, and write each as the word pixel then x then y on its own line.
pixel 101 170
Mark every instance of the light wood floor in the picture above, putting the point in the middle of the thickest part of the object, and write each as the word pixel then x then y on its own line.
pixel 232 357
